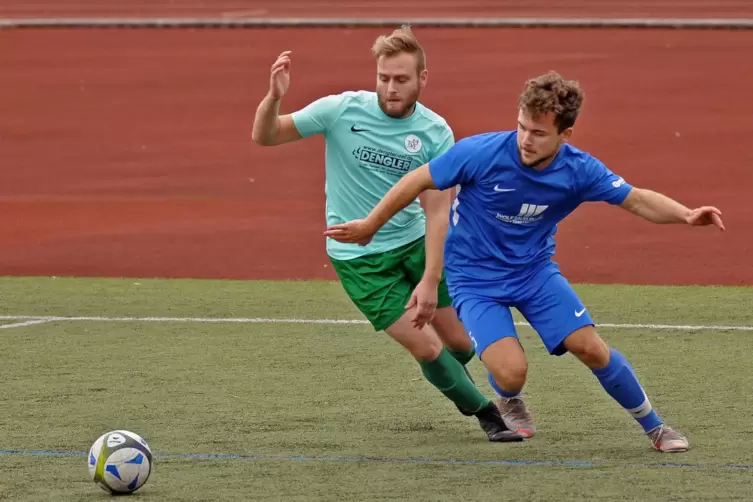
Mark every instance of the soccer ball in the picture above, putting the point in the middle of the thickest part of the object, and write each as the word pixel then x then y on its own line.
pixel 120 462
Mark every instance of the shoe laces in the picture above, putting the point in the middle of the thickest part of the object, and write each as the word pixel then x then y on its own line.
pixel 514 406
pixel 667 434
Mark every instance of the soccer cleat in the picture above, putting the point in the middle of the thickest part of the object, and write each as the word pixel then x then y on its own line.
pixel 667 440
pixel 494 425
pixel 515 412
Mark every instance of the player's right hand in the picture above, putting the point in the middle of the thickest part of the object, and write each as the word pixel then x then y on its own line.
pixel 279 77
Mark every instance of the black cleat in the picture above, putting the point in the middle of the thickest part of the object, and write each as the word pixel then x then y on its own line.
pixel 495 427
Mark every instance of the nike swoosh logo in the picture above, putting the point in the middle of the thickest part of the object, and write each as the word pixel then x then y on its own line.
pixel 578 314
pixel 497 189
pixel 355 129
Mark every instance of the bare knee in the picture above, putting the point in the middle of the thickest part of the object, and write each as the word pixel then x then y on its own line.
pixel 511 378
pixel 588 347
pixel 507 363
pixel 427 350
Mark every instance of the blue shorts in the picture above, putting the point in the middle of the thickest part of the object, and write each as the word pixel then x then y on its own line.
pixel 553 310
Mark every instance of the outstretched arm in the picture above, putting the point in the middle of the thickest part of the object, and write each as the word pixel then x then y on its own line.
pixel 658 208
pixel 398 197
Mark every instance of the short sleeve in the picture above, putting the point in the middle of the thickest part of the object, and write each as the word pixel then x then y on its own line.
pixel 317 117
pixel 456 166
pixel 601 184
pixel 446 141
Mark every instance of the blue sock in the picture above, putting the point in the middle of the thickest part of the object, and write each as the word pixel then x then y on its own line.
pixel 499 389
pixel 620 382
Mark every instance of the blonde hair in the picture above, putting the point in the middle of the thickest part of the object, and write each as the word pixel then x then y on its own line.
pixel 399 41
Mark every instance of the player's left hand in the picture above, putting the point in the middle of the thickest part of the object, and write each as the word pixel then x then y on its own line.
pixel 706 215
pixel 355 231
pixel 424 301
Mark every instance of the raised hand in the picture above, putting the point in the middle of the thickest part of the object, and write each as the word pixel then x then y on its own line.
pixel 279 77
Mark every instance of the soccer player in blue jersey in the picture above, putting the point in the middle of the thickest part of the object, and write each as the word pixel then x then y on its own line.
pixel 514 187
pixel 372 140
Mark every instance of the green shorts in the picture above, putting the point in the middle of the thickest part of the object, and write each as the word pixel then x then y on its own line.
pixel 381 284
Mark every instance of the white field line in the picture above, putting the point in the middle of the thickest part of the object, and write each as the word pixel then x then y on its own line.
pixel 24 323
pixel 31 319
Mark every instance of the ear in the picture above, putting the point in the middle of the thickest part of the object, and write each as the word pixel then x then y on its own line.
pixel 423 77
pixel 566 134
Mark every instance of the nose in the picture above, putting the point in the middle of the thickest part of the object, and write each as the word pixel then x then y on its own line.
pixel 526 139
pixel 392 87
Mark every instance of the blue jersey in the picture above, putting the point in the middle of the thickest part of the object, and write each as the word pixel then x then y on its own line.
pixel 504 218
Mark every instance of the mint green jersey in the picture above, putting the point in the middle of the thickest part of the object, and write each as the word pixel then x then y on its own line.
pixel 367 152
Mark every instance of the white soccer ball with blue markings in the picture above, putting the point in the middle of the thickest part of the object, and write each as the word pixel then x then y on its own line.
pixel 120 461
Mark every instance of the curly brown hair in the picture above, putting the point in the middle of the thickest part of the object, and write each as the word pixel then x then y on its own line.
pixel 550 93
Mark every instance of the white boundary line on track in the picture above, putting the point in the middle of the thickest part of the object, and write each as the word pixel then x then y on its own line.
pixel 498 22
pixel 27 320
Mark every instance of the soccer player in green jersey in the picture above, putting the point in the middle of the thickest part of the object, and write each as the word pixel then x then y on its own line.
pixel 397 280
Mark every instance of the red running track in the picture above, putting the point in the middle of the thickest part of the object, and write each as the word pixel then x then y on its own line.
pixel 127 152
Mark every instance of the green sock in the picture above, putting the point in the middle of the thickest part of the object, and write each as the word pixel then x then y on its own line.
pixel 462 357
pixel 449 376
